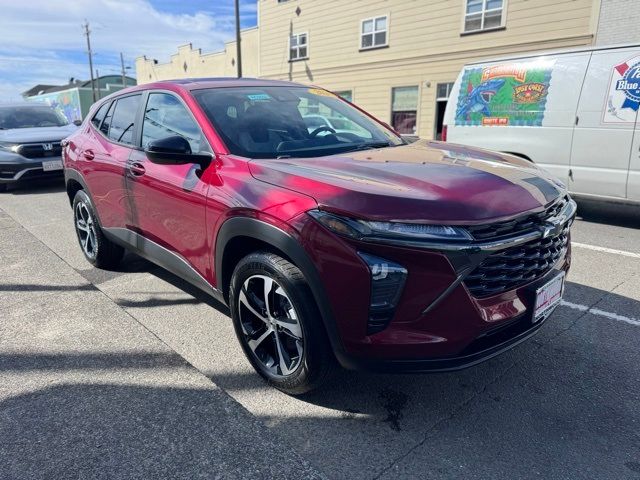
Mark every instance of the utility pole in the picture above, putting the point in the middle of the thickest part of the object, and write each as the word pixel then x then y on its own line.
pixel 239 49
pixel 87 34
pixel 98 78
pixel 124 78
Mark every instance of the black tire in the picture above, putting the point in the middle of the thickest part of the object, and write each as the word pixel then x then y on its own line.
pixel 316 362
pixel 3 187
pixel 98 250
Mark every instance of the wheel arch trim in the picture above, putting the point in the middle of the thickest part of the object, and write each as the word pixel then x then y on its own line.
pixel 281 240
pixel 70 175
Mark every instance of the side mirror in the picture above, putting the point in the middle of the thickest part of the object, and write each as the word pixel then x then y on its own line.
pixel 77 123
pixel 175 150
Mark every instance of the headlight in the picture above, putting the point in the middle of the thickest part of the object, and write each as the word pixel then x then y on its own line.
pixel 9 147
pixel 361 229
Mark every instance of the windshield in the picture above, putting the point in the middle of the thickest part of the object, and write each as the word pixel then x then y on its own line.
pixel 28 117
pixel 277 122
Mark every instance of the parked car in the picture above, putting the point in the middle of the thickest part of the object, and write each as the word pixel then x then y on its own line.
pixel 574 113
pixel 382 255
pixel 30 135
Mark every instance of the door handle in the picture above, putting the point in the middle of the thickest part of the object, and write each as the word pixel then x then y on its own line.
pixel 88 154
pixel 137 169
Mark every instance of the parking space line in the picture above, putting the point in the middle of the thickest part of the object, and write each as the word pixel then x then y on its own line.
pixel 601 313
pixel 605 250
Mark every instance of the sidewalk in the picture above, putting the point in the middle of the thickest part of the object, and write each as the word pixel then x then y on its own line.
pixel 88 392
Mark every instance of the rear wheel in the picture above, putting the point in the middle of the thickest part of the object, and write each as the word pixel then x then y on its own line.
pixel 97 249
pixel 278 324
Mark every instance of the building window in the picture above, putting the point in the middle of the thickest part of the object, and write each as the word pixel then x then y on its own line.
pixel 298 47
pixel 346 94
pixel 404 109
pixel 443 90
pixel 373 33
pixel 483 15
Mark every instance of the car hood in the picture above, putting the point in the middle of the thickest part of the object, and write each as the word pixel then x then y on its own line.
pixel 424 182
pixel 36 134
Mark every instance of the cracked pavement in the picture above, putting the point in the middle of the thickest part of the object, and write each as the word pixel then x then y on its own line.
pixel 562 405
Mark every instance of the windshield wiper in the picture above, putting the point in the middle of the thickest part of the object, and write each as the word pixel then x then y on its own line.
pixel 367 146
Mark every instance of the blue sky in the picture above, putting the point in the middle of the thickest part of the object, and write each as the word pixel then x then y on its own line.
pixel 42 40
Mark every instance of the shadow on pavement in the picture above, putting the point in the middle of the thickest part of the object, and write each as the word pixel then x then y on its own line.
pixel 27 287
pixel 609 214
pixel 37 187
pixel 21 362
pixel 119 431
pixel 556 405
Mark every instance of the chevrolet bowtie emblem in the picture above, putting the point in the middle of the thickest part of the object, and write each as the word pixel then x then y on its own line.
pixel 551 227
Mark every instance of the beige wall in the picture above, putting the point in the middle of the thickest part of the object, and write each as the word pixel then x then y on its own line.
pixel 425 46
pixel 217 64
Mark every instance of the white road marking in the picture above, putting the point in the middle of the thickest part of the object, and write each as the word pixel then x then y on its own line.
pixel 605 250
pixel 601 313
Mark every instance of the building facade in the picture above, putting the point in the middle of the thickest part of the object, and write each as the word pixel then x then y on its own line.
pixel 619 22
pixel 395 58
pixel 75 99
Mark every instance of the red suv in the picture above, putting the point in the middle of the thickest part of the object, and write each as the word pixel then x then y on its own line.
pixel 325 243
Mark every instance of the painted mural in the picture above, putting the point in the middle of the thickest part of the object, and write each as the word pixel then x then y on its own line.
pixel 512 94
pixel 67 101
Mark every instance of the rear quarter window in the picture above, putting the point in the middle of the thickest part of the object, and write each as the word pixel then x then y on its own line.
pixel 123 121
pixel 100 114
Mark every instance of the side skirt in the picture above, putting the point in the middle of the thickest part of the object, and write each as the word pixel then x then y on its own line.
pixel 162 257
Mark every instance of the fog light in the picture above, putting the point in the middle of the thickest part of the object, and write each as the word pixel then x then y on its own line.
pixel 387 282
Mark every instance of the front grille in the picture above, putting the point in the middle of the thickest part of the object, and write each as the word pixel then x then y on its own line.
pixel 516 226
pixel 40 150
pixel 512 267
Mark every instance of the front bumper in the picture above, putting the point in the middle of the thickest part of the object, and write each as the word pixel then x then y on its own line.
pixel 21 169
pixel 438 325
pixel 490 343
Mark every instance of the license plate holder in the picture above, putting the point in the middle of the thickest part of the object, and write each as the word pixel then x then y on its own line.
pixel 51 165
pixel 548 297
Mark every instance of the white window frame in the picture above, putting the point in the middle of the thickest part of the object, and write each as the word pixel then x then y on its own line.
pixel 483 13
pixel 374 31
pixel 297 47
pixel 418 105
pixel 449 90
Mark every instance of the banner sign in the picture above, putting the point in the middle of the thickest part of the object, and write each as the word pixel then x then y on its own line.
pixel 512 94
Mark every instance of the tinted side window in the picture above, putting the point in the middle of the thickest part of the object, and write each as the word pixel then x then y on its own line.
pixel 100 114
pixel 166 116
pixel 124 118
pixel 104 128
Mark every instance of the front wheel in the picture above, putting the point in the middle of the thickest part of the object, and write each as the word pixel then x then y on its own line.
pixel 278 324
pixel 97 249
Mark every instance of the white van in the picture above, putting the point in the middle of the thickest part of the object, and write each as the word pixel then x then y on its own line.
pixel 574 113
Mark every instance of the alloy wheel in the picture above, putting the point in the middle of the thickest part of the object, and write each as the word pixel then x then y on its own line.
pixel 270 325
pixel 86 230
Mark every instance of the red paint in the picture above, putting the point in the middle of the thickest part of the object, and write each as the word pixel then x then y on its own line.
pixel 428 182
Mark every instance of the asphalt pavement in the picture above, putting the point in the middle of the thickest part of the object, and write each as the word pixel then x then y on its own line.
pixel 138 372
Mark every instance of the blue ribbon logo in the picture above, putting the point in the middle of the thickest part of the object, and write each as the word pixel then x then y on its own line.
pixel 630 85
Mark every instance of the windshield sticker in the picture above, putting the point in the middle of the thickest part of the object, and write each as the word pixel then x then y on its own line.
pixel 507 94
pixel 258 97
pixel 623 98
pixel 320 92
